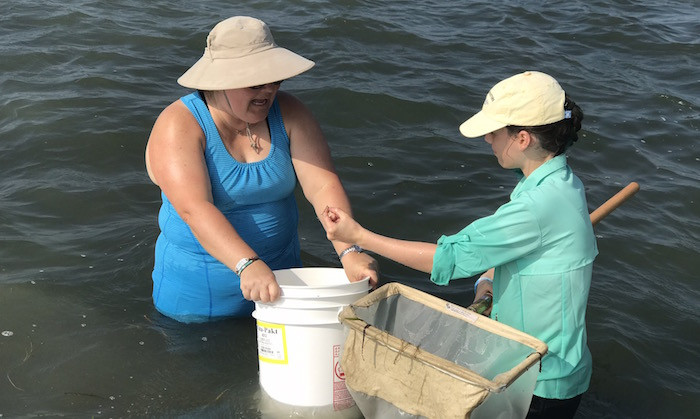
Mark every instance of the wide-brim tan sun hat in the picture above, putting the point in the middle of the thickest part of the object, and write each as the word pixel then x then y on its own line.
pixel 241 52
pixel 527 99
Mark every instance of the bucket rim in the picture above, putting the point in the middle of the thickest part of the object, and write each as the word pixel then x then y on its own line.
pixel 311 302
pixel 314 287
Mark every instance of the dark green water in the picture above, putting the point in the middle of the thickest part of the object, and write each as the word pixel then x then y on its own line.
pixel 81 83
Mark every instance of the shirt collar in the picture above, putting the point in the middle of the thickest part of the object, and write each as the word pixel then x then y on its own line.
pixel 538 175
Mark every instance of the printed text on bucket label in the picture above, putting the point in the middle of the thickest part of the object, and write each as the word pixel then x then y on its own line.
pixel 272 344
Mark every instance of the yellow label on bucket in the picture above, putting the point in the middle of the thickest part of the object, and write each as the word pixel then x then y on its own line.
pixel 272 343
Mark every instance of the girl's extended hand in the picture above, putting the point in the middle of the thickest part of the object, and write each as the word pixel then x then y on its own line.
pixel 340 226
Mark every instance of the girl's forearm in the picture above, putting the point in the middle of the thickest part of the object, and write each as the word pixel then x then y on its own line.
pixel 416 255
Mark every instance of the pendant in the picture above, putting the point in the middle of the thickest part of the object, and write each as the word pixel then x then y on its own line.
pixel 253 139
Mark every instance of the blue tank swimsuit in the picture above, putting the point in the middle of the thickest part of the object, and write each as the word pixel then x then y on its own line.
pixel 257 198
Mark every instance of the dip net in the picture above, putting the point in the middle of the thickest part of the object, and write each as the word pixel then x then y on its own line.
pixel 410 354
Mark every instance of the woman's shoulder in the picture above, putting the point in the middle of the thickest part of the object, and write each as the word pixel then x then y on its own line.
pixel 175 111
pixel 175 131
pixel 176 123
pixel 177 116
pixel 291 106
pixel 296 115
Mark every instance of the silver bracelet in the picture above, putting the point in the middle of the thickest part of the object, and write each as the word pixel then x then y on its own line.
pixel 353 248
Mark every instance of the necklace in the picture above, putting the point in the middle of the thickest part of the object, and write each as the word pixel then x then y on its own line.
pixel 254 140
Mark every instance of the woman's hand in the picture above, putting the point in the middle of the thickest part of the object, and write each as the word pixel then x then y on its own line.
pixel 341 226
pixel 359 266
pixel 258 283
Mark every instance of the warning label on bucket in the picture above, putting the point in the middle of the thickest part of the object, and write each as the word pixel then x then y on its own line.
pixel 341 396
pixel 272 343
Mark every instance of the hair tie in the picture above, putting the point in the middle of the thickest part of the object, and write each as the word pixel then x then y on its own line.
pixel 567 114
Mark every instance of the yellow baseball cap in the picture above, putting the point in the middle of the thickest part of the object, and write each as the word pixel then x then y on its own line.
pixel 527 99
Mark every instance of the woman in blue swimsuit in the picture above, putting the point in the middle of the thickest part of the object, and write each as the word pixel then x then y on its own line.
pixel 227 158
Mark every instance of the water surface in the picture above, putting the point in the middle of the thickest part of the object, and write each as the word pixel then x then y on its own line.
pixel 81 83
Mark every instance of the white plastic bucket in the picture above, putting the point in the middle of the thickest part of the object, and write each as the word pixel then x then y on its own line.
pixel 300 337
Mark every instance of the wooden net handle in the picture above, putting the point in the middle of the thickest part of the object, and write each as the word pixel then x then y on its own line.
pixel 609 206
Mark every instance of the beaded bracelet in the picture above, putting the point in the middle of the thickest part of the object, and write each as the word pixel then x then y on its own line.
pixel 244 263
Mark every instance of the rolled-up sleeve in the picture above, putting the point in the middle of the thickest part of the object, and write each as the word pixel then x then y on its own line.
pixel 510 233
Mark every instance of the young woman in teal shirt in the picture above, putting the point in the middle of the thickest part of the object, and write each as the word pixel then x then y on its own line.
pixel 535 252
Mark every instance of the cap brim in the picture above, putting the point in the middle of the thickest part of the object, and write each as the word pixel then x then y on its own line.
pixel 479 125
pixel 267 66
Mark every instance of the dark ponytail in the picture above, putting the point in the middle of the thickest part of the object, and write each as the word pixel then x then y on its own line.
pixel 559 136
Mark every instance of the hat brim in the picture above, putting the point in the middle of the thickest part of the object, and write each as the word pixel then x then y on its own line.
pixel 480 125
pixel 271 65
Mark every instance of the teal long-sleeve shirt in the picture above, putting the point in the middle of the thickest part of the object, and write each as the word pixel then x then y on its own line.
pixel 542 246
